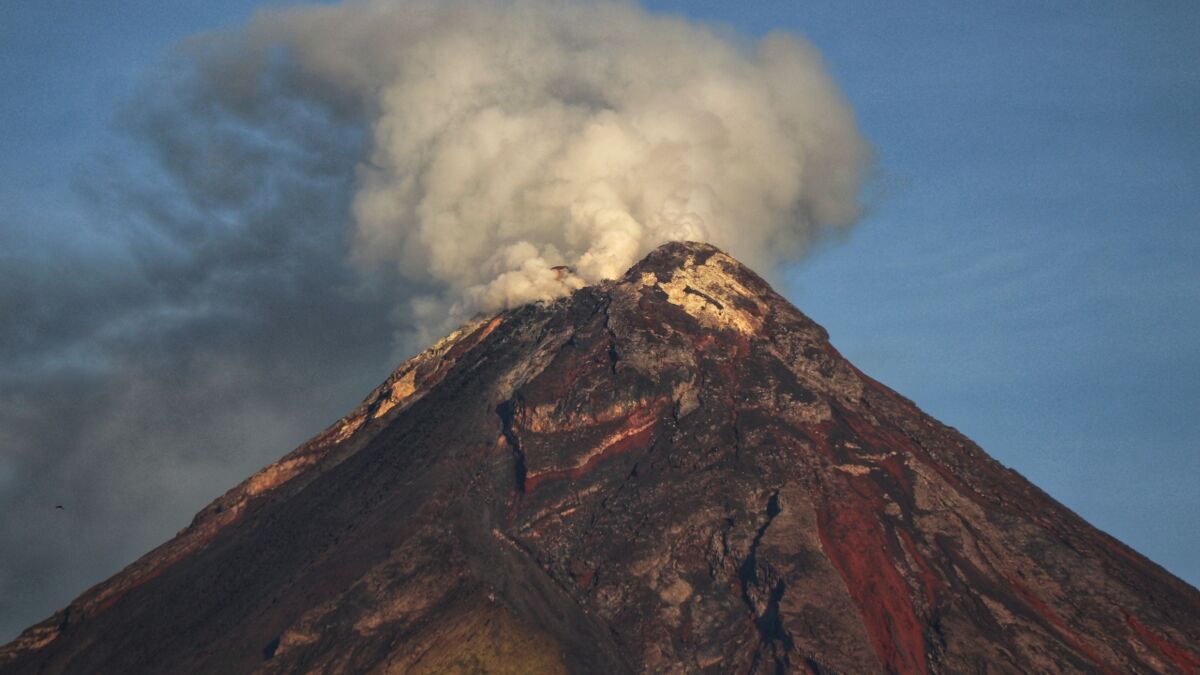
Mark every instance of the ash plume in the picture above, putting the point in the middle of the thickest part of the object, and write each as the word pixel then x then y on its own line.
pixel 293 206
pixel 504 139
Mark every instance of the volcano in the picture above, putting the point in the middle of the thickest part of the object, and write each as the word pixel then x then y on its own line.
pixel 669 472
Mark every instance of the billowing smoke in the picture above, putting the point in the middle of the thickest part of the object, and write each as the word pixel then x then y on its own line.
pixel 506 139
pixel 295 205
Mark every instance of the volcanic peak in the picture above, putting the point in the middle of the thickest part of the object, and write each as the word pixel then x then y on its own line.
pixel 669 472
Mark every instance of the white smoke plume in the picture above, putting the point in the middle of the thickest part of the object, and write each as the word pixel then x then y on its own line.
pixel 285 196
pixel 504 139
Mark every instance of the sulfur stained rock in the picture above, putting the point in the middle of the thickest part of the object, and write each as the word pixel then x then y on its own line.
pixel 670 472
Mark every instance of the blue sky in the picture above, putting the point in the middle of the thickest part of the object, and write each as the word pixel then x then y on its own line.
pixel 1027 271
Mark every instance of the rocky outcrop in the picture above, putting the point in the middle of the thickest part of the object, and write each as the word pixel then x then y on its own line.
pixel 670 472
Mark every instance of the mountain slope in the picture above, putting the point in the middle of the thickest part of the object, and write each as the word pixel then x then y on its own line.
pixel 671 471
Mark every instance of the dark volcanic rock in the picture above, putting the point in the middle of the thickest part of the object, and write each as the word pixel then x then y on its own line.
pixel 670 472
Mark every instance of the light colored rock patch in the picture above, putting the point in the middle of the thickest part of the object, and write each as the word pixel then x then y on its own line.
pixel 346 427
pixel 291 639
pixel 710 294
pixel 401 389
pixel 304 631
pixel 853 469
pixel 549 417
pixel 643 566
pixel 277 474
pixel 405 603
pixel 677 592
pixel 33 638
pixel 686 398
pixel 999 611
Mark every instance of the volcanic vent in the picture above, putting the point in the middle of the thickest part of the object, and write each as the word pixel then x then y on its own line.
pixel 671 472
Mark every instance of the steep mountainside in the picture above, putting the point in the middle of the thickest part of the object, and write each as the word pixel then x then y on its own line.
pixel 671 472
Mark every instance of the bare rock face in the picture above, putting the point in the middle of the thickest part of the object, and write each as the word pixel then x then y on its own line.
pixel 672 472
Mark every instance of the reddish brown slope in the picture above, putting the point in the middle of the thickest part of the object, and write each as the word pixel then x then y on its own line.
pixel 674 471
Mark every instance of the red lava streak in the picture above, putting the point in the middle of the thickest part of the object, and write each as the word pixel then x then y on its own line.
pixel 1040 606
pixel 855 542
pixel 929 578
pixel 636 433
pixel 1180 657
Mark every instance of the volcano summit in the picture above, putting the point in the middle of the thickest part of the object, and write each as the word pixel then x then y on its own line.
pixel 670 472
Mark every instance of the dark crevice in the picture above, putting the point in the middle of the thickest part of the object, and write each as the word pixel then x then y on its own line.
pixel 707 298
pixel 737 433
pixel 675 419
pixel 772 511
pixel 507 411
pixel 269 650
pixel 769 624
pixel 813 666
pixel 613 354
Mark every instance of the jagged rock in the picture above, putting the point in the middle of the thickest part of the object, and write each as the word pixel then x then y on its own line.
pixel 670 472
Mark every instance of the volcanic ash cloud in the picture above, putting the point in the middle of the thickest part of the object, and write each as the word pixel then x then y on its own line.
pixel 503 139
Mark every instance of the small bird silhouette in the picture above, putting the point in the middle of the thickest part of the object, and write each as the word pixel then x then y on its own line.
pixel 59 506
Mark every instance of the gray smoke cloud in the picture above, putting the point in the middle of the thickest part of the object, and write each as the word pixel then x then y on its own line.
pixel 295 205
pixel 506 139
